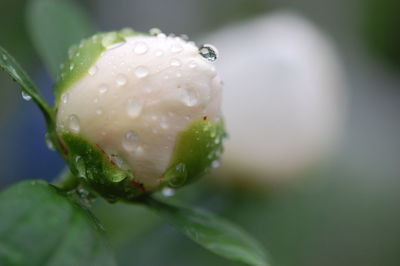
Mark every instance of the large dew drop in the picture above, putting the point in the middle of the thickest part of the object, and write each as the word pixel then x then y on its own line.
pixel 73 124
pixel 134 108
pixel 130 141
pixel 209 52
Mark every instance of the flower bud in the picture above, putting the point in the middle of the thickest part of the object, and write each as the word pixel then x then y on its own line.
pixel 136 112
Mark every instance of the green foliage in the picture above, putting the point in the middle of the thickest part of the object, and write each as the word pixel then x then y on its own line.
pixel 55 25
pixel 381 29
pixel 196 148
pixel 41 226
pixel 213 233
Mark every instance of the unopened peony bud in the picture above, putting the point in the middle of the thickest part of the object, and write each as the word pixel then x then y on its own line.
pixel 136 112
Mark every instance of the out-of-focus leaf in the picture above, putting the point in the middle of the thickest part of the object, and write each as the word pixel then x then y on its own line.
pixel 54 25
pixel 40 226
pixel 213 233
pixel 9 65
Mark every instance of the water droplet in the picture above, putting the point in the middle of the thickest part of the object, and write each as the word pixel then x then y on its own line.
pixel 103 89
pixel 155 31
pixel 49 144
pixel 64 97
pixel 121 80
pixel 161 36
pixel 92 70
pixel 134 108
pixel 176 48
pixel 217 141
pixel 130 141
pixel 209 52
pixel 115 45
pixel 99 111
pixel 25 96
pixel 164 123
pixel 139 150
pixel 178 74
pixel 4 57
pixel 141 71
pixel 192 64
pixel 71 67
pixel 158 53
pixel 177 175
pixel 73 123
pixel 168 192
pixel 80 166
pixel 140 48
pixel 175 62
pixel 184 37
pixel 215 164
pixel 189 97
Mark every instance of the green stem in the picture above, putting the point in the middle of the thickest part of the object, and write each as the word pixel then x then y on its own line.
pixel 66 180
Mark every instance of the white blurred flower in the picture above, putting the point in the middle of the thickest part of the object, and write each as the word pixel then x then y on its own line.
pixel 283 98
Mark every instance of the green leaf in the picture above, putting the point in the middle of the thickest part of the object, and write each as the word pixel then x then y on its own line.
pixel 54 25
pixel 213 233
pixel 9 65
pixel 40 226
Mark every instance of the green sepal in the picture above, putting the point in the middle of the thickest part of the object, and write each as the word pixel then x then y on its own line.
pixel 196 149
pixel 95 169
pixel 83 56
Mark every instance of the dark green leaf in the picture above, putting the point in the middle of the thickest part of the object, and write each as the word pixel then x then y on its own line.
pixel 40 226
pixel 9 65
pixel 55 25
pixel 213 233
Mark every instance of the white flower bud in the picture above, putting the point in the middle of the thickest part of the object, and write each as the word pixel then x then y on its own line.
pixel 137 98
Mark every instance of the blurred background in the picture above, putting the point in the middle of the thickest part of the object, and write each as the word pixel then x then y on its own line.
pixel 312 105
